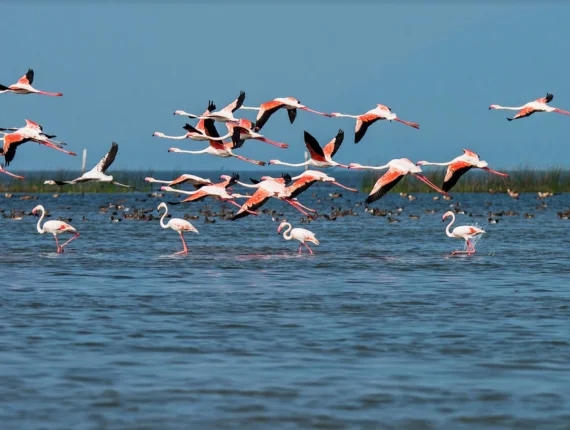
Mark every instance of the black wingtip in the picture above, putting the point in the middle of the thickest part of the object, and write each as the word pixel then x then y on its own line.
pixel 510 119
pixel 3 88
pixel 254 181
pixel 286 177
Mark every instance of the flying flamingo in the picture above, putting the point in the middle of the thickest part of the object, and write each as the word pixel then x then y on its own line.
pixel 364 121
pixel 55 228
pixel 31 132
pixel 269 108
pixel 24 86
pixel 397 169
pixel 310 177
pixel 300 234
pixel 176 224
pixel 217 191
pixel 97 174
pixel 182 179
pixel 267 188
pixel 465 232
pixel 320 157
pixel 459 166
pixel 224 115
pixel 538 105
pixel 243 130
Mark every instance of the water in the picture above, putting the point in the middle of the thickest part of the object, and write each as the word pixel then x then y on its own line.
pixel 380 329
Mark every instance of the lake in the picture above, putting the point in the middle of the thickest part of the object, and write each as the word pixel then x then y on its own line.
pixel 379 329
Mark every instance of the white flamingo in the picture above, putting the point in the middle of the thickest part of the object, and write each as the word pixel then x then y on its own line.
pixel 465 232
pixel 176 224
pixel 300 234
pixel 54 227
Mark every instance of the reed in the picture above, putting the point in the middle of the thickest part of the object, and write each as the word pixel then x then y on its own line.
pixel 524 179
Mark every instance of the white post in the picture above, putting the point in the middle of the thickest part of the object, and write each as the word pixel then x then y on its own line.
pixel 84 161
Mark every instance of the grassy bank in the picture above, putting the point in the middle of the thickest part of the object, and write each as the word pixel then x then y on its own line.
pixel 476 181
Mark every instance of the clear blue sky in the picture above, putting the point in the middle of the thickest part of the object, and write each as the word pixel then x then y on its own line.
pixel 124 69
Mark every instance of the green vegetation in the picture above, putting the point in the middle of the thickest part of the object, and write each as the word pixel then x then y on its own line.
pixel 555 180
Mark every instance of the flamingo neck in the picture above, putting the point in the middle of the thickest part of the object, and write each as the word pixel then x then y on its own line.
pixel 341 115
pixel 293 165
pixel 385 166
pixel 498 107
pixel 40 229
pixel 288 231
pixel 249 108
pixel 164 136
pixel 449 226
pixel 193 152
pixel 248 185
pixel 436 164
pixel 162 224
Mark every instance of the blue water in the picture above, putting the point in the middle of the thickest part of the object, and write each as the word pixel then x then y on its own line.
pixel 380 329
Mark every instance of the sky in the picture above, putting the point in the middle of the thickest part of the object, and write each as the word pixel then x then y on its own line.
pixel 124 69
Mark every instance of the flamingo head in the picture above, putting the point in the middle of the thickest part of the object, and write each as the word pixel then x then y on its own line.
pixel 162 205
pixel 37 208
pixel 283 224
pixel 274 162
pixel 445 215
pixel 355 166
pixel 157 134
pixel 335 114
pixel 173 150
pixel 149 179
pixel 482 164
pixel 179 112
pixel 494 107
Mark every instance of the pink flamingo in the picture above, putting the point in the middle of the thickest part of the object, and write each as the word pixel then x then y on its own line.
pixel 465 232
pixel 177 224
pixel 24 86
pixel 54 227
pixel 538 105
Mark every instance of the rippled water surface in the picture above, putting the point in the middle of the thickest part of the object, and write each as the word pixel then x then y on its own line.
pixel 380 329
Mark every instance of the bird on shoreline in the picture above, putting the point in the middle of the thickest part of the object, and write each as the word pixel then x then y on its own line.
pixel 54 227
pixel 97 173
pixel 380 112
pixel 24 86
pixel 538 105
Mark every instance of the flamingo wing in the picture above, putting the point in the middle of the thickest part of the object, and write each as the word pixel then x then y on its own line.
pixel 236 104
pixel 196 197
pixel 210 130
pixel 332 147
pixel 258 199
pixel 292 115
pixel 546 99
pixel 454 172
pixel 528 111
pixel 265 112
pixel 300 185
pixel 33 125
pixel 28 78
pixel 108 159
pixel 362 124
pixel 470 153
pixel 11 143
pixel 384 184
pixel 211 108
pixel 314 148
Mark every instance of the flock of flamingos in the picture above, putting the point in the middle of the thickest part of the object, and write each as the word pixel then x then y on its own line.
pixel 285 188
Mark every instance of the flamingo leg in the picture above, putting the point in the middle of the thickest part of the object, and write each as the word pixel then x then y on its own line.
pixel 428 182
pixel 271 142
pixel 75 236
pixel 561 111
pixel 237 204
pixel 249 160
pixel 296 207
pixel 307 246
pixel 354 190
pixel 46 93
pixel 493 171
pixel 411 124
pixel 10 174
pixel 304 207
pixel 300 248
pixel 51 145
pixel 59 249
pixel 185 250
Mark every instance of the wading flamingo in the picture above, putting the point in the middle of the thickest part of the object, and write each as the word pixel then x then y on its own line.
pixel 364 121
pixel 269 108
pixel 320 157
pixel 54 227
pixel 182 179
pixel 465 232
pixel 176 224
pixel 97 173
pixel 24 86
pixel 538 105
pixel 397 169
pixel 300 234
pixel 459 166
pixel 310 177
pixel 32 132
pixel 224 115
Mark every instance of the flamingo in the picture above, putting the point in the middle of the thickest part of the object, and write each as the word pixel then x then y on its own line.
pixel 32 131
pixel 97 174
pixel 224 115
pixel 320 157
pixel 176 224
pixel 465 232
pixel 538 105
pixel 364 121
pixel 24 86
pixel 54 227
pixel 182 179
pixel 310 177
pixel 243 130
pixel 397 169
pixel 269 108
pixel 216 190
pixel 300 234
pixel 267 188
pixel 459 166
